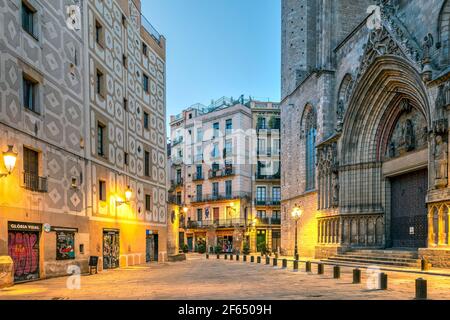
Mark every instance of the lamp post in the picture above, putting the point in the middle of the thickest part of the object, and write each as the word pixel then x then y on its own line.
pixel 296 214
pixel 128 195
pixel 9 160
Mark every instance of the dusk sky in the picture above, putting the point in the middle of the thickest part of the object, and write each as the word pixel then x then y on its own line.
pixel 218 48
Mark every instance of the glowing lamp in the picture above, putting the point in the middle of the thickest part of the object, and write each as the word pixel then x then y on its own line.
pixel 9 159
pixel 128 194
pixel 185 209
pixel 297 213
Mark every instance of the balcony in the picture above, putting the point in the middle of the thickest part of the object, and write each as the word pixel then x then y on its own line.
pixel 221 197
pixel 177 141
pixel 198 177
pixel 267 177
pixel 220 173
pixel 267 202
pixel 173 199
pixel 217 223
pixel 177 183
pixel 177 160
pixel 198 158
pixel 268 152
pixel 266 221
pixel 34 183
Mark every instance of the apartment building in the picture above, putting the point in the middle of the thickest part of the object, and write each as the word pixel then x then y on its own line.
pixel 266 191
pixel 127 138
pixel 82 121
pixel 213 159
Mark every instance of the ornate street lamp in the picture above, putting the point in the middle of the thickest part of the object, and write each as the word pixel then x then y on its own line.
pixel 296 214
pixel 128 195
pixel 9 160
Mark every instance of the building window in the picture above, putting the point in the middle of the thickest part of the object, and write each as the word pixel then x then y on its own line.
pixel 148 199
pixel 199 192
pixel 144 49
pixel 125 104
pixel 261 214
pixel 199 172
pixel 261 123
pixel 199 214
pixel 125 158
pixel 228 148
pixel 100 139
pixel 215 151
pixel 147 163
pixel 65 245
pixel 145 120
pixel 276 194
pixel 31 169
pixel 261 193
pixel 30 93
pixel 100 78
pixel 229 126
pixel 99 37
pixel 229 188
pixel 145 82
pixel 179 198
pixel 28 19
pixel 215 188
pixel 216 128
pixel 310 163
pixel 102 190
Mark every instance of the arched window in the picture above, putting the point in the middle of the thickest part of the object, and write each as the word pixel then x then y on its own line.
pixel 310 131
pixel 444 32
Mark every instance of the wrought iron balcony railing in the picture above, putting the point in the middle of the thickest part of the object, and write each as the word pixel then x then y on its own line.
pixel 224 172
pixel 268 221
pixel 177 141
pixel 216 223
pixel 34 183
pixel 259 176
pixel 268 202
pixel 221 197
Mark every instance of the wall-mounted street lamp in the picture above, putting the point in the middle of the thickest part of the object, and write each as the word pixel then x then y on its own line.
pixel 128 195
pixel 296 214
pixel 9 160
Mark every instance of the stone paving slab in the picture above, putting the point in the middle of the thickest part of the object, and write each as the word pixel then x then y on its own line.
pixel 198 278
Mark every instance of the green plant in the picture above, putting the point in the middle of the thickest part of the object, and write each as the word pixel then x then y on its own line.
pixel 185 248
pixel 217 249
pixel 201 248
pixel 246 249
pixel 263 249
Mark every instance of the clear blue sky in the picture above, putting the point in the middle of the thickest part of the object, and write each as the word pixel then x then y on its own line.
pixel 218 48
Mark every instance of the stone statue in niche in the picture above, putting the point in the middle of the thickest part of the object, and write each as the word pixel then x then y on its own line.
pixel 407 141
pixel 427 44
pixel 335 188
pixel 440 162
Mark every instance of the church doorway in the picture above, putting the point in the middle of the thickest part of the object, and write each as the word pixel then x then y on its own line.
pixel 409 227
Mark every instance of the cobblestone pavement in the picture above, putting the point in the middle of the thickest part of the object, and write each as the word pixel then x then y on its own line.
pixel 199 278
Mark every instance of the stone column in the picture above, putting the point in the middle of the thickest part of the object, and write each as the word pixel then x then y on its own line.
pixel 441 227
pixel 431 242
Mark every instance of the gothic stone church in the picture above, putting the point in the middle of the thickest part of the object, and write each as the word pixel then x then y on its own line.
pixel 365 130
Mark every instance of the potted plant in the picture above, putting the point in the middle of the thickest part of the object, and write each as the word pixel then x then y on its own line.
pixel 185 248
pixel 217 249
pixel 246 248
pixel 201 248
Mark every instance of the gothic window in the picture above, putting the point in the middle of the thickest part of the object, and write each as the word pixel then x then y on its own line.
pixel 310 132
pixel 444 32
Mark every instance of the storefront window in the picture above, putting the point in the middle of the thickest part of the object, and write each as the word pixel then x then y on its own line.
pixel 65 245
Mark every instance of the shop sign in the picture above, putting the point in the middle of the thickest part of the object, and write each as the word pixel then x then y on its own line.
pixel 24 226
pixel 47 228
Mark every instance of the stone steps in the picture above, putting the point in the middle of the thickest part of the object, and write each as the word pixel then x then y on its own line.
pixel 399 258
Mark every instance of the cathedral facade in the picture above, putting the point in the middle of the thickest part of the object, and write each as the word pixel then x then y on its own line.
pixel 365 100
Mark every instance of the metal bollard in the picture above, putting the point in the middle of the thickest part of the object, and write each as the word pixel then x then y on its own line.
pixel 218 256
pixel 275 262
pixel 231 257
pixel 295 268
pixel 226 257
pixel 356 276
pixel 382 281
pixel 237 257
pixel 424 265
pixel 320 268
pixel 308 266
pixel 258 259
pixel 284 266
pixel 336 272
pixel 207 256
pixel 252 259
pixel 244 258
pixel 421 289
pixel 267 260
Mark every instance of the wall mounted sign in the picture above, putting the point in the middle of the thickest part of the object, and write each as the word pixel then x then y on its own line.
pixel 47 227
pixel 24 226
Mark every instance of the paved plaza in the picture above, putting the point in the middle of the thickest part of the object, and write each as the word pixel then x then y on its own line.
pixel 198 278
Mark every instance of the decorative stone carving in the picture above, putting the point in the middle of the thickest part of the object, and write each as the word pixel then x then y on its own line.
pixel 340 115
pixel 440 162
pixel 328 166
pixel 407 142
pixel 427 71
pixel 440 124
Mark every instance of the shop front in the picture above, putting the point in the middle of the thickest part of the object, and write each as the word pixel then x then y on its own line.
pixel 151 248
pixel 111 248
pixel 24 249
